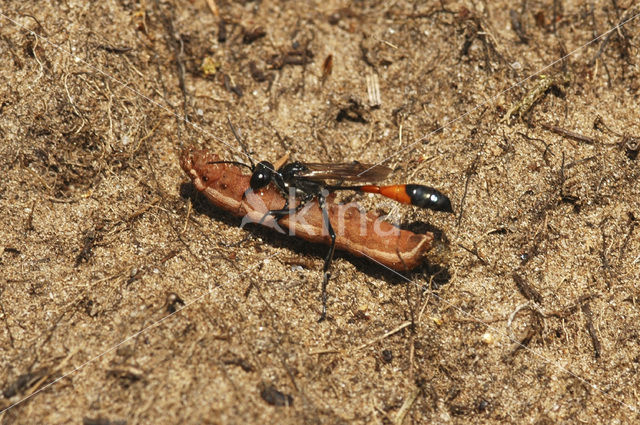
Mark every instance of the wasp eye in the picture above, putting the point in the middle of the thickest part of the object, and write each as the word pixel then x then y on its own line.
pixel 262 175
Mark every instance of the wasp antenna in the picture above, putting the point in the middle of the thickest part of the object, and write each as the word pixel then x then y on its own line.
pixel 240 141
pixel 232 163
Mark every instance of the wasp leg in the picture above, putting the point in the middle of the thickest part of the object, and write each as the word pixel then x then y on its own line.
pixel 278 214
pixel 329 258
pixel 285 210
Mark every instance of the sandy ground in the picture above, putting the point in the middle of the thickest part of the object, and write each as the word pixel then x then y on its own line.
pixel 126 298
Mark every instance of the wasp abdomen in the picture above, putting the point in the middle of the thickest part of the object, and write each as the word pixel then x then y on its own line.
pixel 428 197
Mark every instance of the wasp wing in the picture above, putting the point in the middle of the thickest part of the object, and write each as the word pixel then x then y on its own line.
pixel 353 171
